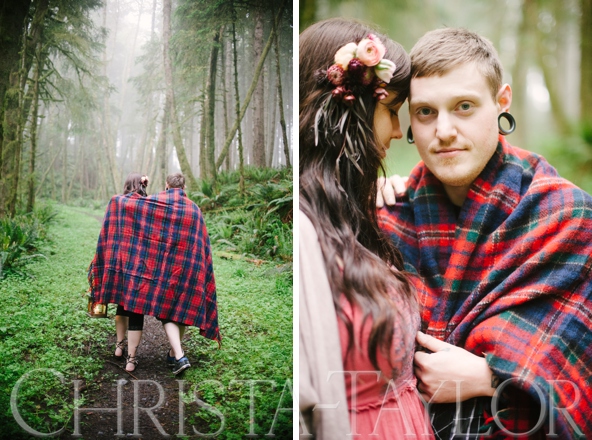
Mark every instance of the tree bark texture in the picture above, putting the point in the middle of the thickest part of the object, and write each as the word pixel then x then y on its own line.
pixel 281 100
pixel 245 104
pixel 241 162
pixel 258 99
pixel 211 107
pixel 33 130
pixel 12 25
pixel 168 74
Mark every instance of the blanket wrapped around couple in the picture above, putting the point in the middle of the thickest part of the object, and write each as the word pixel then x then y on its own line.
pixel 153 257
pixel 509 276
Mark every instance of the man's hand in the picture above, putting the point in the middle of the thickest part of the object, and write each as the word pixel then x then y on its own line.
pixel 388 187
pixel 449 370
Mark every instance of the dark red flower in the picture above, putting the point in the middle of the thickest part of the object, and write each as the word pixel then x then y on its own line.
pixel 335 74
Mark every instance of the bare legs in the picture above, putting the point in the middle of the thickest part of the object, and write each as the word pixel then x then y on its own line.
pixel 120 328
pixel 175 334
pixel 133 340
pixel 134 334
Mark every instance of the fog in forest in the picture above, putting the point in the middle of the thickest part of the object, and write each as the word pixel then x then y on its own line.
pixel 108 87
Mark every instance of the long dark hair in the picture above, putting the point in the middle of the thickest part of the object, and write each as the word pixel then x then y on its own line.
pixel 134 183
pixel 338 190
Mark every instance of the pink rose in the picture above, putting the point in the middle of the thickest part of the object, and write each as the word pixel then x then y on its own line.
pixel 370 52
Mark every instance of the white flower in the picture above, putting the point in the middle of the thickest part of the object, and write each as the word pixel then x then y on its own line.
pixel 345 55
pixel 385 70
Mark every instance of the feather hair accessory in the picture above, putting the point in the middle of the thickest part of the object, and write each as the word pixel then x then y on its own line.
pixel 357 67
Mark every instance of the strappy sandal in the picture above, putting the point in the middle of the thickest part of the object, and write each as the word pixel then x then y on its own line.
pixel 131 360
pixel 120 345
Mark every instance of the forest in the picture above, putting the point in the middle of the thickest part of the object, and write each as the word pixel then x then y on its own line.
pixel 92 90
pixel 545 47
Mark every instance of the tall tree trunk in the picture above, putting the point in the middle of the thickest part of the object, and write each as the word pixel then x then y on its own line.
pixel 65 163
pixel 258 107
pixel 203 163
pixel 106 131
pixel 153 24
pixel 281 100
pixel 225 95
pixel 14 108
pixel 12 23
pixel 33 130
pixel 12 125
pixel 49 169
pixel 519 90
pixel 551 82
pixel 272 129
pixel 168 75
pixel 211 106
pixel 245 104
pixel 160 162
pixel 586 69
pixel 241 162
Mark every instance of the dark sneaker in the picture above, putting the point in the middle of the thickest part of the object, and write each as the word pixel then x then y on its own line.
pixel 181 365
pixel 170 360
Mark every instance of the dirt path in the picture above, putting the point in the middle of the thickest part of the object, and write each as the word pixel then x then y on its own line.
pixel 151 374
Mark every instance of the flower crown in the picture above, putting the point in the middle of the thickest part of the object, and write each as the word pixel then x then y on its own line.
pixel 360 64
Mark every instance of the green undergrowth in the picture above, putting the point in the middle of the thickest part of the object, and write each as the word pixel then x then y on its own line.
pixel 21 236
pixel 47 341
pixel 44 331
pixel 257 222
pixel 254 365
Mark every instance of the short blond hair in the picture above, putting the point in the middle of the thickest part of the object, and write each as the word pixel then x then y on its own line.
pixel 176 180
pixel 441 50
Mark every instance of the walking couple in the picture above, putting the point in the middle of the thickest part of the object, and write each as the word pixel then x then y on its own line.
pixel 153 257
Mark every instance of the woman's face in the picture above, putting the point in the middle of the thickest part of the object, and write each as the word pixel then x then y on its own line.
pixel 386 122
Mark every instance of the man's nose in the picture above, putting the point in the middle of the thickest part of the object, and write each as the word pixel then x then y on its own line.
pixel 445 128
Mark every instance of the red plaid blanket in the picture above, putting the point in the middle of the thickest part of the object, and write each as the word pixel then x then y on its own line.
pixel 153 257
pixel 509 275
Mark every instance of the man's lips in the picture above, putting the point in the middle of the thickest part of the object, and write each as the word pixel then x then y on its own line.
pixel 446 152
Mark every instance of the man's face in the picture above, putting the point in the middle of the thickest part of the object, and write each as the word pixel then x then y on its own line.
pixel 454 123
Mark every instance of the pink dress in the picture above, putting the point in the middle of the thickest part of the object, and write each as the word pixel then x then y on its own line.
pixel 383 404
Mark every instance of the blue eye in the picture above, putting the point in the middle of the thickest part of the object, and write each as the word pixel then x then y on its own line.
pixel 465 106
pixel 424 111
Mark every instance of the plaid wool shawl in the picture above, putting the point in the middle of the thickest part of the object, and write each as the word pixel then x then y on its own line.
pixel 509 276
pixel 153 257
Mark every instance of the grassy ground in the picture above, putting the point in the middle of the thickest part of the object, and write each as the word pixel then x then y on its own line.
pixel 47 341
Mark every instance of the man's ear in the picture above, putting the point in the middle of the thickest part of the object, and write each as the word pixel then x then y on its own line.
pixel 504 97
